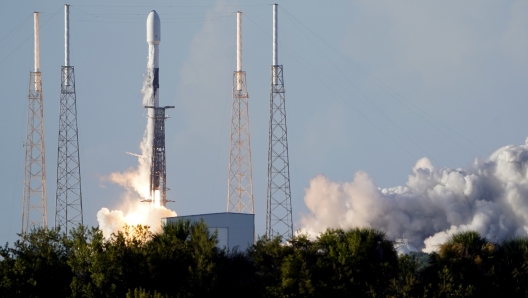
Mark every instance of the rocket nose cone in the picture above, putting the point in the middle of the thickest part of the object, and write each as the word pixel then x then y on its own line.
pixel 153 28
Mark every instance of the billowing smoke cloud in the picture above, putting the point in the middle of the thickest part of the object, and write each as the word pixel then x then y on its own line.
pixel 490 196
pixel 134 213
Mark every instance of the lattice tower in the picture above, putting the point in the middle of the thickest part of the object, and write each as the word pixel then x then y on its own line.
pixel 240 184
pixel 279 209
pixel 68 208
pixel 34 203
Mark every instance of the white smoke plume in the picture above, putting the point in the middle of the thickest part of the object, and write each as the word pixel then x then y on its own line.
pixel 490 196
pixel 136 181
pixel 132 213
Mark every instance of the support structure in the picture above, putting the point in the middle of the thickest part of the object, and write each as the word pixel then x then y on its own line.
pixel 158 169
pixel 240 184
pixel 34 203
pixel 279 210
pixel 68 207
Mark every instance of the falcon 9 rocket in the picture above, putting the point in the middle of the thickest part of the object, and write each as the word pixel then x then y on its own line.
pixel 156 116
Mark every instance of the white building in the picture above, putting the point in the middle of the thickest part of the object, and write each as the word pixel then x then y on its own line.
pixel 234 229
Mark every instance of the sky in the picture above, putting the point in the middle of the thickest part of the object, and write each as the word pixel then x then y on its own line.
pixel 371 86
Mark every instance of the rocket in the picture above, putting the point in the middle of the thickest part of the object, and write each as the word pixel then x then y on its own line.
pixel 153 40
pixel 156 116
pixel 152 104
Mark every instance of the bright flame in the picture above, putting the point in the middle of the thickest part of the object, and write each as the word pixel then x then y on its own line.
pixel 157 198
pixel 134 213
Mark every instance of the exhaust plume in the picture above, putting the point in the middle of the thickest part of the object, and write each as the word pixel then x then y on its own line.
pixel 490 196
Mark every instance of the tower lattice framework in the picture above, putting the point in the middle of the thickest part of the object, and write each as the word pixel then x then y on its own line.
pixel 68 212
pixel 278 203
pixel 279 209
pixel 158 166
pixel 34 201
pixel 240 184
pixel 34 206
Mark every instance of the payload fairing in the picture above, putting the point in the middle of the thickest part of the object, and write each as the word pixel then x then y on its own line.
pixel 153 40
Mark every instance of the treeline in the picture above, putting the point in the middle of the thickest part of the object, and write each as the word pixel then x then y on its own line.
pixel 183 261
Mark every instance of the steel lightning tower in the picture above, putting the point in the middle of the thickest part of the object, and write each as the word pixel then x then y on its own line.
pixel 240 185
pixel 279 209
pixel 68 208
pixel 156 116
pixel 34 206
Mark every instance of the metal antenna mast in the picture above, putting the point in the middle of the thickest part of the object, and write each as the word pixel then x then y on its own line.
pixel 279 209
pixel 240 185
pixel 68 208
pixel 35 202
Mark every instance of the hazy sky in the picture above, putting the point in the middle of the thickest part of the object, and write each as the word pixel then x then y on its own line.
pixel 370 85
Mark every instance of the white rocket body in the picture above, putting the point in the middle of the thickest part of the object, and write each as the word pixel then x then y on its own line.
pixel 153 40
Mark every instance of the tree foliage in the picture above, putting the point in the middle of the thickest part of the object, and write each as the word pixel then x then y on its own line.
pixel 183 261
pixel 35 266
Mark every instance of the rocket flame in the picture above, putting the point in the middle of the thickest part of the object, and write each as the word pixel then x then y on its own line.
pixel 156 201
pixel 135 213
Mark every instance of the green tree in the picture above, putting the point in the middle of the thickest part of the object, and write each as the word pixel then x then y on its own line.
pixel 180 260
pixel 267 255
pixel 169 258
pixel 141 293
pixel 300 269
pixel 203 248
pixel 35 266
pixel 409 281
pixel 467 266
pixel 235 274
pixel 514 263
pixel 177 261
pixel 108 267
pixel 359 262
